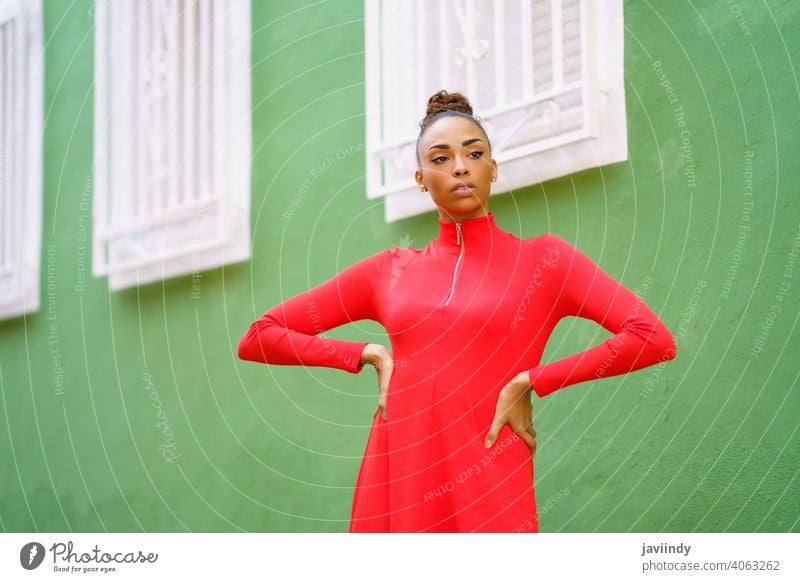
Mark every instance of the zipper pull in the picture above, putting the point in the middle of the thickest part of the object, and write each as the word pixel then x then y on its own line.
pixel 458 233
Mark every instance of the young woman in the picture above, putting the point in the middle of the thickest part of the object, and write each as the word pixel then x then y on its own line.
pixel 451 444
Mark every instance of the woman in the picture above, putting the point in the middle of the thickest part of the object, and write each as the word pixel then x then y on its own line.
pixel 451 443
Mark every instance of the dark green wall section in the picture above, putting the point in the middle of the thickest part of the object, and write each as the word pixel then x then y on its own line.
pixel 129 411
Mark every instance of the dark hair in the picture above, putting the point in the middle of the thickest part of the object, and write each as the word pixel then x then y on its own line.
pixel 443 104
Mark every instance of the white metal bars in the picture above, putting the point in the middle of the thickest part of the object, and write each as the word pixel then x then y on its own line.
pixel 172 138
pixel 21 100
pixel 533 70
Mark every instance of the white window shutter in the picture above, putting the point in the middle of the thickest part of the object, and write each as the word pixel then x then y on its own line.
pixel 544 76
pixel 21 102
pixel 172 138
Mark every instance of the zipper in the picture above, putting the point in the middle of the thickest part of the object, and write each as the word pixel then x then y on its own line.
pixel 460 243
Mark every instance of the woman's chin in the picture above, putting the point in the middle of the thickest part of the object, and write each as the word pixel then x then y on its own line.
pixel 465 204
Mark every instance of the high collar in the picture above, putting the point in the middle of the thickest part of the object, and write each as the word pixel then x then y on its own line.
pixel 473 230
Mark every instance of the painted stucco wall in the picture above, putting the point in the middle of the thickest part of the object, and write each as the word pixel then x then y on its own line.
pixel 703 221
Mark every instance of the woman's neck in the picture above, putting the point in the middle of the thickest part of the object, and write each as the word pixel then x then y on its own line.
pixel 458 217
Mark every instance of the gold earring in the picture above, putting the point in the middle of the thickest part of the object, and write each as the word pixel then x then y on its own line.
pixel 423 189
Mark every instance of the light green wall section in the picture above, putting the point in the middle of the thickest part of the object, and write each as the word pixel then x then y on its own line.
pixel 708 442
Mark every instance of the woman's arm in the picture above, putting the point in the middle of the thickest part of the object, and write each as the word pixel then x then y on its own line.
pixel 287 334
pixel 581 288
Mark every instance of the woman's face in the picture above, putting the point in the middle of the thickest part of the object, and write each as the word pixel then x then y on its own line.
pixel 454 151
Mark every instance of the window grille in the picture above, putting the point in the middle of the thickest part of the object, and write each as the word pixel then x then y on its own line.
pixel 544 76
pixel 172 138
pixel 21 103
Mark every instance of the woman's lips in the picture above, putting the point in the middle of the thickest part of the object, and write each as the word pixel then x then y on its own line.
pixel 464 191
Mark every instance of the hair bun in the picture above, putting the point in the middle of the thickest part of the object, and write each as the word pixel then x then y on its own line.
pixel 444 101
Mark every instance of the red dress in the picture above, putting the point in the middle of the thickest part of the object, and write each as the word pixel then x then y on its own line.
pixel 464 314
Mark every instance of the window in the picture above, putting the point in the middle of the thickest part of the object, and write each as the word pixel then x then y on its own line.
pixel 172 138
pixel 544 76
pixel 21 94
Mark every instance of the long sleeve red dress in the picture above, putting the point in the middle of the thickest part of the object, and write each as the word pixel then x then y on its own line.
pixel 464 314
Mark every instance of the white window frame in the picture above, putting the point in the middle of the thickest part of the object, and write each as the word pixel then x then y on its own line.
pixel 21 101
pixel 572 121
pixel 172 138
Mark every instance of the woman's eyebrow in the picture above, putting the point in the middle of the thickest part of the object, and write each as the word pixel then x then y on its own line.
pixel 444 146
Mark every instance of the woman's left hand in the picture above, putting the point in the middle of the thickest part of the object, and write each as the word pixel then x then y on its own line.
pixel 514 407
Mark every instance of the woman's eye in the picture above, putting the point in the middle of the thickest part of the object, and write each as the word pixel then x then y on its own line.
pixel 437 159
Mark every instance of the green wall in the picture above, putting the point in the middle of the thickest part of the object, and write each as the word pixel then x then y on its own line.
pixel 702 224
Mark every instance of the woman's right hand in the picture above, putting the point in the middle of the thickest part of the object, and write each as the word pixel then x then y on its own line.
pixel 380 357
